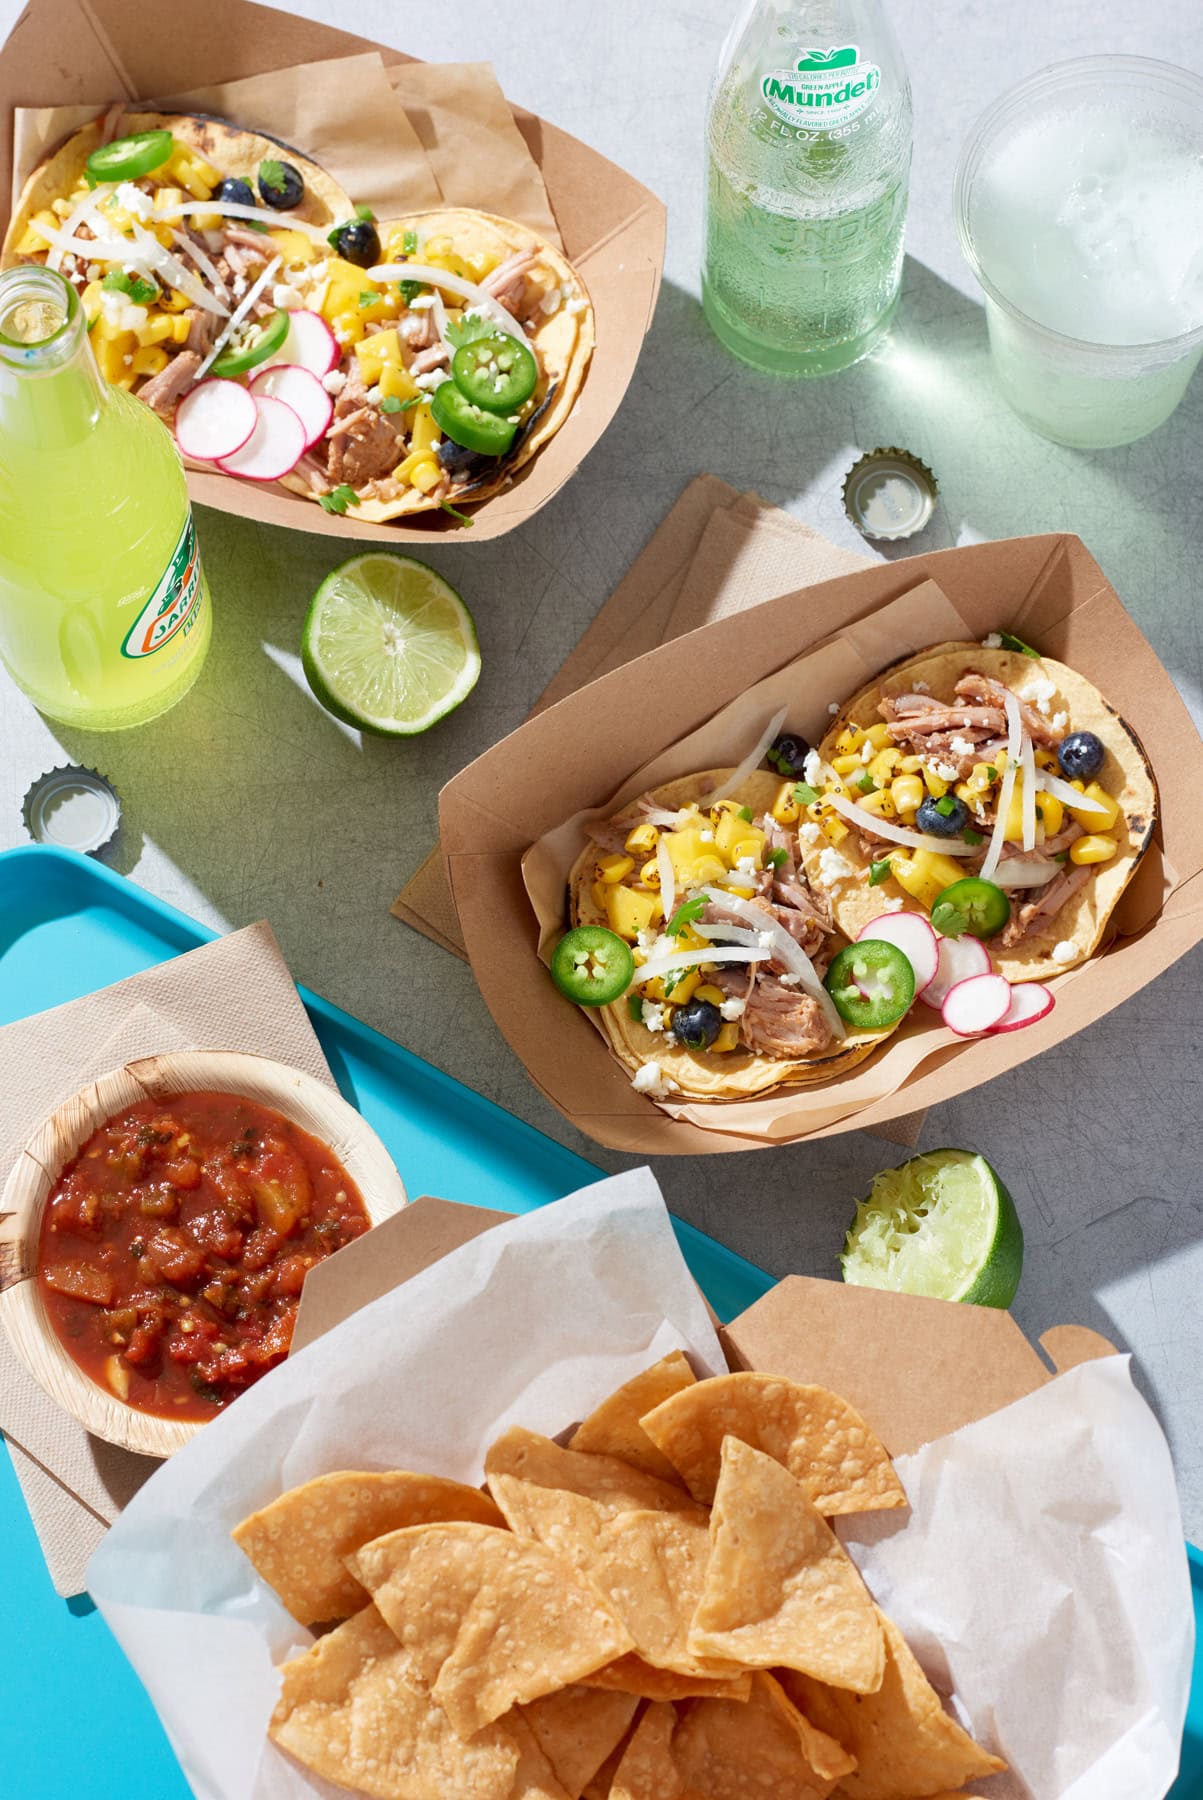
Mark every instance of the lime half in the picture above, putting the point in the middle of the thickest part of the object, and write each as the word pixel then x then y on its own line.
pixel 943 1225
pixel 389 646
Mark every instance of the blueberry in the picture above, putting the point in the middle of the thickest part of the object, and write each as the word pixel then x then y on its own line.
pixel 697 1024
pixel 1080 755
pixel 788 754
pixel 946 818
pixel 359 243
pixel 280 185
pixel 235 192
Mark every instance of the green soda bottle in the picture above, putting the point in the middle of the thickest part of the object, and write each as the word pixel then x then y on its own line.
pixel 104 613
pixel 808 136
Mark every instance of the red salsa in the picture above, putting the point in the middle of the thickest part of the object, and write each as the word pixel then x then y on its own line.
pixel 174 1247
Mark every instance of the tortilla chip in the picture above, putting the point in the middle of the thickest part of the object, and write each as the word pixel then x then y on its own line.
pixel 728 1752
pixel 817 1436
pixel 647 1770
pixel 650 1565
pixel 298 1543
pixel 611 1485
pixel 613 1428
pixel 346 1712
pixel 903 1740
pixel 780 1589
pixel 535 1778
pixel 631 1675
pixel 577 1729
pixel 487 1619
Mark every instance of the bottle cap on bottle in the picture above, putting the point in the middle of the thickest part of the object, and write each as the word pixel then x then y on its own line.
pixel 889 494
pixel 72 808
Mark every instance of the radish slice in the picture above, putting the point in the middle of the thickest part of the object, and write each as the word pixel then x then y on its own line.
pixel 976 1005
pixel 914 937
pixel 216 419
pixel 960 959
pixel 310 343
pixel 275 446
pixel 1030 1001
pixel 301 390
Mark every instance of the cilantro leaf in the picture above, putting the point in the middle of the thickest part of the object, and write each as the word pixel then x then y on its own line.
pixel 120 281
pixel 391 404
pixel 409 243
pixel 1011 642
pixel 878 871
pixel 972 837
pixel 469 328
pixel 338 502
pixel 410 291
pixel 685 915
pixel 366 214
pixel 804 794
pixel 367 297
pixel 866 784
pixel 271 175
pixel 946 806
pixel 464 518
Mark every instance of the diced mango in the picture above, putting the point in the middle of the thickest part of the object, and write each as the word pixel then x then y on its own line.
pixel 396 383
pixel 628 912
pixel 294 246
pixel 426 434
pixel 943 870
pixel 613 867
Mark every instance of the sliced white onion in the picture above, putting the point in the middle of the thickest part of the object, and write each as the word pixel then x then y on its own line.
pixel 752 760
pixel 86 250
pixel 429 276
pixel 688 959
pixel 203 263
pixel 234 209
pixel 151 251
pixel 82 214
pixel 231 326
pixel 668 881
pixel 1027 768
pixel 998 836
pixel 735 934
pixel 899 834
pixel 439 311
pixel 1069 796
pixel 656 815
pixel 785 949
pixel 1025 871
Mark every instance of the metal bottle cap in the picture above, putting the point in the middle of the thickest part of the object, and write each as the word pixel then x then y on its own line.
pixel 889 494
pixel 72 808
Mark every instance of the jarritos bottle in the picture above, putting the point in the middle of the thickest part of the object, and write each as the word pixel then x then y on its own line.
pixel 104 613
pixel 809 147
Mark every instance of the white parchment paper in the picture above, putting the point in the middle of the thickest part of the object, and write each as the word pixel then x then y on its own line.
pixel 1040 1576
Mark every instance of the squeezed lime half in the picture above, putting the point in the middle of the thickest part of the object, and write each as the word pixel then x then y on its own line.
pixel 389 646
pixel 942 1224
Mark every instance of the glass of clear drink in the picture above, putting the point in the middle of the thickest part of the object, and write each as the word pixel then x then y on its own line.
pixel 1079 206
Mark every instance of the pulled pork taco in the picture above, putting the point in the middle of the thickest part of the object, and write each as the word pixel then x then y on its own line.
pixel 990 788
pixel 703 947
pixel 391 368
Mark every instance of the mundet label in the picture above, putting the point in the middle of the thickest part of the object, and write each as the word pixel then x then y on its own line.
pixel 174 607
pixel 825 88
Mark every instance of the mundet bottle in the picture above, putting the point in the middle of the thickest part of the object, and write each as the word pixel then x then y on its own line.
pixel 809 148
pixel 104 612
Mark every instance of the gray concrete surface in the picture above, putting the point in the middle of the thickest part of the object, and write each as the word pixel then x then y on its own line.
pixel 250 801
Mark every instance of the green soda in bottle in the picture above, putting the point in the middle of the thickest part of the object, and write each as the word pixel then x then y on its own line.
pixel 809 146
pixel 104 613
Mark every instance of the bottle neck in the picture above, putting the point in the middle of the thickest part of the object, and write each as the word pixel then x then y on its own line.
pixel 51 392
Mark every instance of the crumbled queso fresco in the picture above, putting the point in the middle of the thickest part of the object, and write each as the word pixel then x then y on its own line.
pixel 993 642
pixel 653 1016
pixel 1039 692
pixel 809 832
pixel 732 1009
pixel 812 769
pixel 1064 952
pixel 651 1079
pixel 833 867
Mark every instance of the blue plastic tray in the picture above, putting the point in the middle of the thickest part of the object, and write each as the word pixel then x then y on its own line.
pixel 77 1722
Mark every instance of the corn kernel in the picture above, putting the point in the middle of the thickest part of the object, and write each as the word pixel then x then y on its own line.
pixel 641 838
pixel 935 787
pixel 649 874
pixel 614 867
pixel 427 475
pixel 834 828
pixel 850 739
pixel 426 434
pixel 1047 759
pixel 883 766
pixel 745 893
pixel 1094 849
pixel 879 737
pixel 148 361
pixel 682 989
pixel 908 792
pixel 174 301
pixel 1102 814
pixel 911 765
pixel 728 1037
pixel 715 996
pixel 786 806
pixel 880 805
pixel 1050 813
pixel 845 765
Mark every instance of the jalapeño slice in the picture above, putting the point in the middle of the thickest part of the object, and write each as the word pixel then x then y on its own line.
pixel 592 965
pixel 871 983
pixel 128 157
pixel 973 905
pixel 495 371
pixel 260 343
pixel 467 425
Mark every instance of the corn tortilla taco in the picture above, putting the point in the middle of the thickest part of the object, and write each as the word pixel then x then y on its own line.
pixel 756 1016
pixel 971 762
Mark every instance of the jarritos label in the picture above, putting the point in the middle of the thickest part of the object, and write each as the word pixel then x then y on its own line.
pixel 824 88
pixel 174 607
